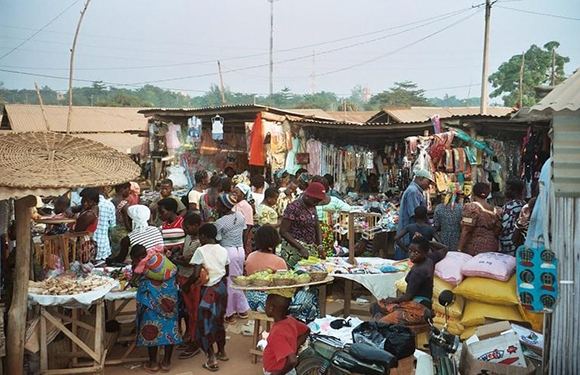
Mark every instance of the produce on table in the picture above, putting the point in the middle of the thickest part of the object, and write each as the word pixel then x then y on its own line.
pixel 66 285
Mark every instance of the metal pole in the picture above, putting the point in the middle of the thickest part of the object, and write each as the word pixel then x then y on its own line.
pixel 271 46
pixel 485 70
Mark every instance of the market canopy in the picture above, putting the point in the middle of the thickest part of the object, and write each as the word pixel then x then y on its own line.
pixel 50 163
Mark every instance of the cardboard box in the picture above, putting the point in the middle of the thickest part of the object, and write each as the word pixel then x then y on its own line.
pixel 495 353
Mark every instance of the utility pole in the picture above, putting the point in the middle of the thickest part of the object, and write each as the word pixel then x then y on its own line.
pixel 553 67
pixel 222 83
pixel 313 84
pixel 522 79
pixel 271 46
pixel 485 70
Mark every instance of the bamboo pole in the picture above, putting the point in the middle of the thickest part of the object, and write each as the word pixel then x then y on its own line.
pixel 17 313
pixel 42 107
pixel 70 73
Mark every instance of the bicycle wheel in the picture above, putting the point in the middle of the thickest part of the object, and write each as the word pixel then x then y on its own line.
pixel 313 365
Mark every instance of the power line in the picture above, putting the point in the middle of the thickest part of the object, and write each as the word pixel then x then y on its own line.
pixel 212 61
pixel 39 30
pixel 539 14
pixel 309 55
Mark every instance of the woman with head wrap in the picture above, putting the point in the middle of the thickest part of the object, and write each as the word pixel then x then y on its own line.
pixel 243 195
pixel 231 227
pixel 141 234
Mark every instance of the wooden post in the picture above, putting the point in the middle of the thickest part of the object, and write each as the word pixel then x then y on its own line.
pixel 42 107
pixel 70 73
pixel 17 313
pixel 222 90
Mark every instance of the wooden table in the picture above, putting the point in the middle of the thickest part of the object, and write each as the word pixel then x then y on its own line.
pixel 97 353
pixel 321 295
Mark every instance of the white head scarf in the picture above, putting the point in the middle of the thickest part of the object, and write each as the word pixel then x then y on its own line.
pixel 140 215
pixel 245 189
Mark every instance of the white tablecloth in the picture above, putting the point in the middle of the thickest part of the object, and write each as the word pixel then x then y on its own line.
pixel 380 285
pixel 113 296
pixel 73 301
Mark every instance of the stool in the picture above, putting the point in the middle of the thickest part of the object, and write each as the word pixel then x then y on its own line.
pixel 421 334
pixel 258 317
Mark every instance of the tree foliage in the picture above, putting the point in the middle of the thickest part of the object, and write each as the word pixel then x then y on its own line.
pixel 453 101
pixel 537 71
pixel 402 94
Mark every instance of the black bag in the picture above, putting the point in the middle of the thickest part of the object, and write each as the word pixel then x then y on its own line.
pixel 396 339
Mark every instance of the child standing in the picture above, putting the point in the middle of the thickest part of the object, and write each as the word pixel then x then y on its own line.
pixel 418 229
pixel 286 336
pixel 191 225
pixel 212 306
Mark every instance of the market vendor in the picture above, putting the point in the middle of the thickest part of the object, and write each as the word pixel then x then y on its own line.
pixel 300 228
pixel 408 309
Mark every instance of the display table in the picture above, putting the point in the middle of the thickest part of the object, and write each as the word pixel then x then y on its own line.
pixel 381 285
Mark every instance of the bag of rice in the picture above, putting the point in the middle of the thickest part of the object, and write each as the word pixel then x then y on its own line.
pixel 475 313
pixel 489 291
pixel 495 266
pixel 449 268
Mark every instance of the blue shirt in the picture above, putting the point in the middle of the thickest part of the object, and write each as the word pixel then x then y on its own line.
pixel 107 219
pixel 411 199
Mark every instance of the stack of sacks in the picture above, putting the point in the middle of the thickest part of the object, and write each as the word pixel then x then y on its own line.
pixel 489 290
pixel 454 311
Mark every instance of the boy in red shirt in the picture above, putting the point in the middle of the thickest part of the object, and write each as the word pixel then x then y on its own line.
pixel 286 336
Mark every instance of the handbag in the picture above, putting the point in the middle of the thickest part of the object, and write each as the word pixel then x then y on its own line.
pixel 302 157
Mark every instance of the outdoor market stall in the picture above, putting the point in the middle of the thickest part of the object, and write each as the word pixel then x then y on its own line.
pixel 43 164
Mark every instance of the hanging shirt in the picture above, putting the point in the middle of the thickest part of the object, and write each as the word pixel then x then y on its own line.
pixel 411 199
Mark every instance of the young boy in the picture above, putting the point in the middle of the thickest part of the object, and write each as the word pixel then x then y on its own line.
pixel 266 212
pixel 286 336
pixel 418 229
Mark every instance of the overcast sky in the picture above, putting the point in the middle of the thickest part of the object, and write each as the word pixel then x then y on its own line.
pixel 175 44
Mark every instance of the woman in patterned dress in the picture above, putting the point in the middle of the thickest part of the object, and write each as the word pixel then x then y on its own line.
pixel 157 317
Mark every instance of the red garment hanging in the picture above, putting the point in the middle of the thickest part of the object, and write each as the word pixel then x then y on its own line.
pixel 257 143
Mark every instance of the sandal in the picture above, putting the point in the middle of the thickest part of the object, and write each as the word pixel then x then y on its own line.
pixel 164 368
pixel 188 354
pixel 148 369
pixel 183 346
pixel 213 368
pixel 221 357
pixel 243 315
pixel 230 319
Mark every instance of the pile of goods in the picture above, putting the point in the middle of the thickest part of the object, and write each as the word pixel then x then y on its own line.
pixel 68 284
pixel 268 278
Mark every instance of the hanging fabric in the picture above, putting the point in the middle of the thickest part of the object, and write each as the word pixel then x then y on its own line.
pixel 257 143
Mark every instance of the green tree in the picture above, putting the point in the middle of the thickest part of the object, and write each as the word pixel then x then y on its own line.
pixel 121 99
pixel 537 71
pixel 402 94
pixel 453 101
pixel 327 101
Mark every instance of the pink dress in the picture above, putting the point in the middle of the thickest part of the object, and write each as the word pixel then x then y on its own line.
pixel 245 208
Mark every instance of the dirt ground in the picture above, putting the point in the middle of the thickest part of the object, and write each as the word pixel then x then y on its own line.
pixel 237 347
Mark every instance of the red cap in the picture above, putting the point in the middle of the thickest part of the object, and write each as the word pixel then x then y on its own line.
pixel 316 190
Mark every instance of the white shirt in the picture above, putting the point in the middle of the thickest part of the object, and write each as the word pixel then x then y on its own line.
pixel 258 198
pixel 194 197
pixel 214 258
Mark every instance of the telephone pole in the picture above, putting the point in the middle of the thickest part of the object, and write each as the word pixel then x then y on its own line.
pixel 522 79
pixel 272 45
pixel 222 91
pixel 485 70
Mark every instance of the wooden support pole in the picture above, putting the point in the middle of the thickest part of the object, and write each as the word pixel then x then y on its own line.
pixel 17 313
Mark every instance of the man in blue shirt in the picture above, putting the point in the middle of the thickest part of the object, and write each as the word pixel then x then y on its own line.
pixel 412 198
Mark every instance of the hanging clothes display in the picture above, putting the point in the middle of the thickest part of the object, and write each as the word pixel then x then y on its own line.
pixel 208 145
pixel 314 149
pixel 291 165
pixel 277 147
pixel 256 152
pixel 171 138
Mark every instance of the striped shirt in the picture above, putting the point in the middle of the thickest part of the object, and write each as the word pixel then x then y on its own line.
pixel 173 234
pixel 149 238
pixel 231 229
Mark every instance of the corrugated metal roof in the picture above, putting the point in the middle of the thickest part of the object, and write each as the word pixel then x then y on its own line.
pixel 352 116
pixel 25 117
pixel 565 97
pixel 423 114
pixel 566 147
pixel 147 111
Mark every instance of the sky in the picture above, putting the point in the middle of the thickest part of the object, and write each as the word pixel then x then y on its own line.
pixel 319 45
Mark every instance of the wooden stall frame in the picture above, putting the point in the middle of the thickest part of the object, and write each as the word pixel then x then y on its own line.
pixel 98 354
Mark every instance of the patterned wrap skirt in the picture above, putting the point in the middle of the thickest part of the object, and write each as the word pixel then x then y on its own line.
pixel 157 313
pixel 210 315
